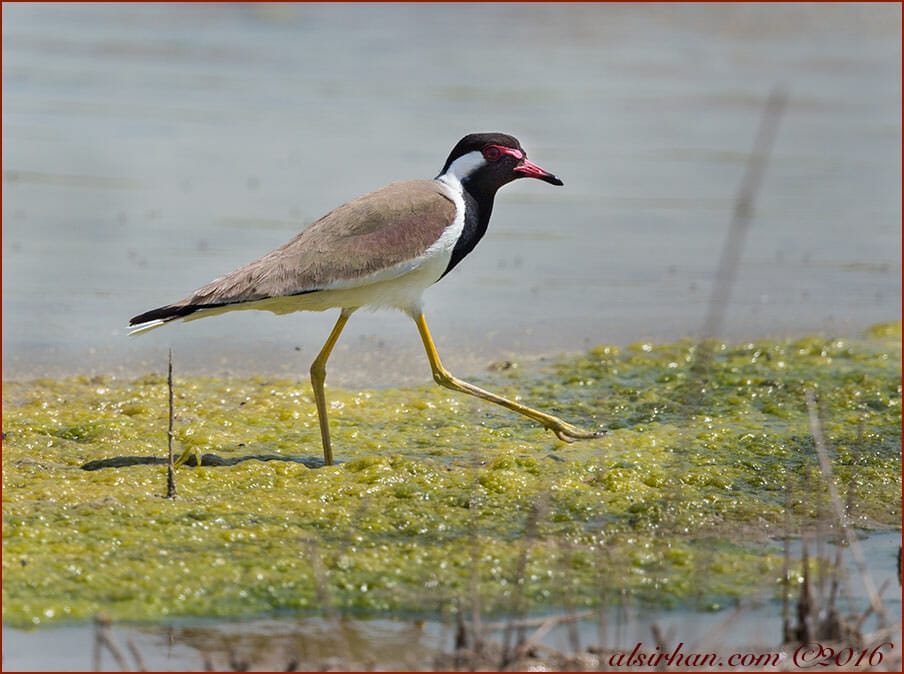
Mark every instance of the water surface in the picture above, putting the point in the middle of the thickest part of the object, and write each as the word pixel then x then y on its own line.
pixel 148 148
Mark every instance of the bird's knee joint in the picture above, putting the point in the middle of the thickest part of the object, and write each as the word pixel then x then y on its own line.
pixel 318 370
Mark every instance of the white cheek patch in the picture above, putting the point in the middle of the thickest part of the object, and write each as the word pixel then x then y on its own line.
pixel 465 165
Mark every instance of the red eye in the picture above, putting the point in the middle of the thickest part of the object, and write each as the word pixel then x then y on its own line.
pixel 491 153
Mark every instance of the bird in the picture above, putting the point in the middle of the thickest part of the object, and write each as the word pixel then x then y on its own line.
pixel 380 250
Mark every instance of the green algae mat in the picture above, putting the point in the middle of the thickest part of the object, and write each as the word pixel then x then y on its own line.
pixel 441 501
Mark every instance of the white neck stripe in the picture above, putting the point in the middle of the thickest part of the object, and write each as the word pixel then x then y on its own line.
pixel 464 166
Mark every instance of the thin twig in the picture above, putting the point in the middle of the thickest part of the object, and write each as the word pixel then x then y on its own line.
pixel 662 642
pixel 573 637
pixel 542 623
pixel 170 467
pixel 805 612
pixel 321 582
pixel 136 655
pixel 825 467
pixel 103 639
pixel 519 599
pixel 743 212
pixel 551 622
pixel 474 580
pixel 786 568
pixel 866 614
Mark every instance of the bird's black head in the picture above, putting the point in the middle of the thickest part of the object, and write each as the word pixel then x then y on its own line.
pixel 487 161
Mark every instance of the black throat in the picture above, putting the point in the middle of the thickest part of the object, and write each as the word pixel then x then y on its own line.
pixel 478 208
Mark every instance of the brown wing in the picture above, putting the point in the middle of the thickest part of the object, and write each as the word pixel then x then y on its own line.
pixel 369 234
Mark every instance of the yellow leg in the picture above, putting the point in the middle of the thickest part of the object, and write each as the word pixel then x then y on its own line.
pixel 564 431
pixel 318 376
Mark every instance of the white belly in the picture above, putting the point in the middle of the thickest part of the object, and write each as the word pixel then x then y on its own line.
pixel 402 291
pixel 399 292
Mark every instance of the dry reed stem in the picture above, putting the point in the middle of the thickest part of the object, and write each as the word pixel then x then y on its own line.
pixel 727 270
pixel 825 468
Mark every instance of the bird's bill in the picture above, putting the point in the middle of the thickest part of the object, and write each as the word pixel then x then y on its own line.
pixel 531 170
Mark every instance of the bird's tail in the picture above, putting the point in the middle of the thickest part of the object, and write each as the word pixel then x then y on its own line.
pixel 160 316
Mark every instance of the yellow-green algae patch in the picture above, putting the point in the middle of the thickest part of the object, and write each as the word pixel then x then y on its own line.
pixel 441 498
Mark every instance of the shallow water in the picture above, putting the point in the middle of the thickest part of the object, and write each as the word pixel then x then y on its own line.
pixel 392 644
pixel 148 148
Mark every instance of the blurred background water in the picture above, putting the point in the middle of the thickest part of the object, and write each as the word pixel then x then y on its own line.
pixel 148 148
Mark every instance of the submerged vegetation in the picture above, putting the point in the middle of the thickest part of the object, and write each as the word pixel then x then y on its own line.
pixel 440 498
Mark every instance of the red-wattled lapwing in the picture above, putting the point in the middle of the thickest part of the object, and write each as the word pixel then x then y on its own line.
pixel 380 250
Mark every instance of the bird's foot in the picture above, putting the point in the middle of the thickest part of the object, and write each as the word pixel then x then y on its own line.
pixel 568 433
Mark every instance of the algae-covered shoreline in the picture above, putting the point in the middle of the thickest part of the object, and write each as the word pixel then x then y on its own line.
pixel 441 499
